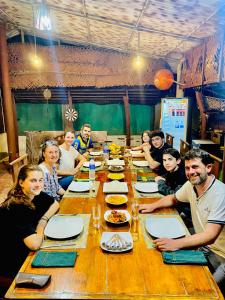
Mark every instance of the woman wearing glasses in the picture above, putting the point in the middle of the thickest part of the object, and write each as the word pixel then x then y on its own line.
pixel 48 162
pixel 67 160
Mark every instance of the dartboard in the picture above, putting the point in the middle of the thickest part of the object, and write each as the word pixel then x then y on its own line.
pixel 71 114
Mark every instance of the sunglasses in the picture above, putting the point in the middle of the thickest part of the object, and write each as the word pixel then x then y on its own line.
pixel 50 143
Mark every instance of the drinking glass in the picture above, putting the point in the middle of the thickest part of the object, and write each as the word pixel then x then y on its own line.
pixel 96 215
pixel 134 209
pixel 129 159
pixel 134 175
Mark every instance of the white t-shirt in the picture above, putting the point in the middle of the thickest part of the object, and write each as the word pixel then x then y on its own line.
pixel 208 208
pixel 67 159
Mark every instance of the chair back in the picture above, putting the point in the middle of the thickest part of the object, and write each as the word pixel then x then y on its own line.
pixel 217 166
pixel 17 164
pixel 184 147
pixel 169 139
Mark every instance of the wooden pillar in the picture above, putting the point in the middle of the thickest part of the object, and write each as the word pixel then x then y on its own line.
pixel 127 117
pixel 8 103
pixel 202 114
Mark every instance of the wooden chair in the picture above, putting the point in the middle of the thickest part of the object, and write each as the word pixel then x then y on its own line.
pixel 169 139
pixel 217 166
pixel 184 147
pixel 17 164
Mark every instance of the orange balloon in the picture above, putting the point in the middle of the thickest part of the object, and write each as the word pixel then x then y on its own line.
pixel 163 79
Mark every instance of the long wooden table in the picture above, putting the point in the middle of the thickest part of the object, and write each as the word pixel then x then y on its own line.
pixel 138 274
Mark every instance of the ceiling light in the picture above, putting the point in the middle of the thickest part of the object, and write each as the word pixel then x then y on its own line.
pixel 43 20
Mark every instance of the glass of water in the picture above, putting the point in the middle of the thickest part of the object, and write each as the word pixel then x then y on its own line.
pixel 96 216
pixel 134 209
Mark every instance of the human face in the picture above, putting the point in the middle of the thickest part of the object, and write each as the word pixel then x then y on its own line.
pixel 69 138
pixel 86 132
pixel 196 172
pixel 51 154
pixel 157 141
pixel 33 184
pixel 170 163
pixel 146 138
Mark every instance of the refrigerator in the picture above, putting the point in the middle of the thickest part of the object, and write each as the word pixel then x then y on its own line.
pixel 174 119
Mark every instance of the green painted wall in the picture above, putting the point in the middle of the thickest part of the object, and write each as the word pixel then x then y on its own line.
pixel 109 117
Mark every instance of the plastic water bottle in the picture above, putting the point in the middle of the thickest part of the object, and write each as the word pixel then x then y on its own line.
pixel 105 152
pixel 92 170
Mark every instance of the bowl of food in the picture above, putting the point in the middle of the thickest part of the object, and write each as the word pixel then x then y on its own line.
pixel 116 199
pixel 116 168
pixel 117 216
pixel 116 176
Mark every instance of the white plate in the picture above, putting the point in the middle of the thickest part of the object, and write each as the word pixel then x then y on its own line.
pixel 108 212
pixel 97 164
pixel 165 227
pixel 140 163
pixel 64 227
pixel 123 199
pixel 116 168
pixel 115 162
pixel 146 187
pixel 106 236
pixel 115 187
pixel 96 153
pixel 79 186
pixel 133 152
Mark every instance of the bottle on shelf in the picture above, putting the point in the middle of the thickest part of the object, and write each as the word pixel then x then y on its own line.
pixel 91 169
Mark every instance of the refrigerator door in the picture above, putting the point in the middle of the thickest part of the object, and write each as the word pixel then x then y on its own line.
pixel 174 116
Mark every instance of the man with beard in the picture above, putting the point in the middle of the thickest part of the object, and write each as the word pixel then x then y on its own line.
pixel 206 196
pixel 83 141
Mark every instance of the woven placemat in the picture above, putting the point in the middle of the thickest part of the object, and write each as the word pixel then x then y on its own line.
pixel 147 237
pixel 87 194
pixel 138 194
pixel 100 168
pixel 74 243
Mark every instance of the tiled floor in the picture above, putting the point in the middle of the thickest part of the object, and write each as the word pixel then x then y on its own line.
pixel 5 181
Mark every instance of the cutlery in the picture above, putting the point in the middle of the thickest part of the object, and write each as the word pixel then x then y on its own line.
pixel 58 245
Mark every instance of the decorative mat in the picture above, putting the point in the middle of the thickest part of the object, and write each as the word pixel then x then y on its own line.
pixel 147 237
pixel 87 194
pixel 77 242
pixel 138 194
pixel 100 168
pixel 142 169
pixel 146 178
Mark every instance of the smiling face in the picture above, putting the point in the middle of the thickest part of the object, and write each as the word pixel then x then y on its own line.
pixel 51 154
pixel 85 132
pixel 33 184
pixel 69 138
pixel 157 141
pixel 170 163
pixel 146 137
pixel 196 172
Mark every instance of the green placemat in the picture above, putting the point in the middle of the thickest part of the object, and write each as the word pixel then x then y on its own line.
pixel 146 178
pixel 147 237
pixel 54 259
pixel 187 257
pixel 87 194
pixel 100 168
pixel 78 242
pixel 138 194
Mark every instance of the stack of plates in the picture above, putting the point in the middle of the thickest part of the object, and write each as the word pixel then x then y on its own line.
pixel 115 162
pixel 146 187
pixel 140 163
pixel 79 186
pixel 115 187
pixel 97 164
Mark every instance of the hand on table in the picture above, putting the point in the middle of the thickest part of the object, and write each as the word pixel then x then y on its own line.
pixel 165 244
pixel 157 178
pixel 146 208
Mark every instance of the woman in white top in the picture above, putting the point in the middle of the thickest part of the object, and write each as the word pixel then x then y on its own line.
pixel 67 160
pixel 145 138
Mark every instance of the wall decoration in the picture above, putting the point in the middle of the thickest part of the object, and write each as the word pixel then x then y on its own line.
pixel 71 114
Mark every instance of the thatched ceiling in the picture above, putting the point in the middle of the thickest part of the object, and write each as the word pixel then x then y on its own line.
pixel 167 27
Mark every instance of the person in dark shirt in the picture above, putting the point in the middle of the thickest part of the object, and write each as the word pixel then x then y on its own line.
pixel 23 217
pixel 174 177
pixel 154 152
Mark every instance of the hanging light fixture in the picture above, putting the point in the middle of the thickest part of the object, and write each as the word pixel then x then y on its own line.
pixel 42 18
pixel 138 61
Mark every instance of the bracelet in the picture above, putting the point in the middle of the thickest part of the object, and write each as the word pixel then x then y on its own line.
pixel 45 218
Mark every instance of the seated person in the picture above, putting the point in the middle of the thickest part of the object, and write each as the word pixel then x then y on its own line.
pixel 206 196
pixel 67 160
pixel 83 141
pixel 174 177
pixel 48 160
pixel 154 152
pixel 145 138
pixel 23 217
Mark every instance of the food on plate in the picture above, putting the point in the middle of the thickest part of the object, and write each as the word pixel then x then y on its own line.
pixel 116 199
pixel 117 217
pixel 116 156
pixel 114 149
pixel 116 168
pixel 116 176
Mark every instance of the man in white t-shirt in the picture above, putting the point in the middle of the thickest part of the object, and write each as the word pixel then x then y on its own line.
pixel 206 196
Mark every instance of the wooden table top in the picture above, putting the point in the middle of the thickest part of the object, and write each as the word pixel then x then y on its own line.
pixel 138 274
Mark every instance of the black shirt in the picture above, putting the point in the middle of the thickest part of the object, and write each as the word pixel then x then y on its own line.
pixel 157 155
pixel 17 222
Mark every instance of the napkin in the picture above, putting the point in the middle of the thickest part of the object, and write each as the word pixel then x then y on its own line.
pixel 54 259
pixel 146 178
pixel 184 257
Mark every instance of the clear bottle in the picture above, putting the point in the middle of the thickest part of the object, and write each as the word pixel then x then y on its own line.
pixel 105 152
pixel 91 169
